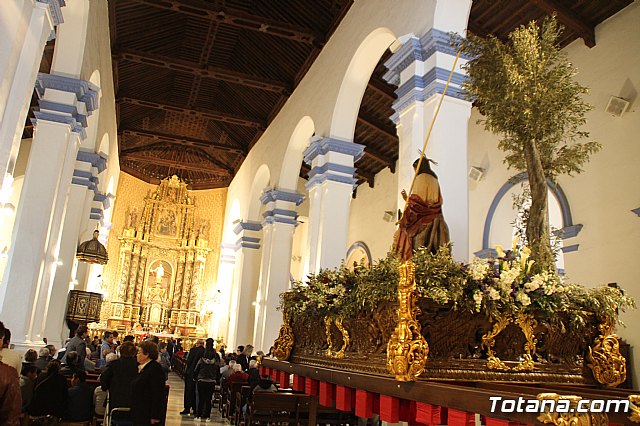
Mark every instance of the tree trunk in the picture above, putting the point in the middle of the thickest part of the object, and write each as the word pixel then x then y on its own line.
pixel 538 223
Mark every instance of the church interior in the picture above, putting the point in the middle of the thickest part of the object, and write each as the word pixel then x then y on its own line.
pixel 189 169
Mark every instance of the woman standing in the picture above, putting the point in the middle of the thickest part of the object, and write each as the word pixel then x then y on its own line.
pixel 148 405
pixel 118 376
pixel 207 372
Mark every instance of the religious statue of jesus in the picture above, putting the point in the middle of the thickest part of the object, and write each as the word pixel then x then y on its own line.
pixel 422 223
pixel 159 273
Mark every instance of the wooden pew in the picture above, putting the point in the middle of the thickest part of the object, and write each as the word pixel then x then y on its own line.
pixel 280 407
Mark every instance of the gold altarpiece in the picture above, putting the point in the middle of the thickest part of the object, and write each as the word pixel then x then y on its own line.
pixel 160 277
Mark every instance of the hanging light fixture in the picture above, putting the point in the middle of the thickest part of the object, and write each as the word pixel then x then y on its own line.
pixel 92 251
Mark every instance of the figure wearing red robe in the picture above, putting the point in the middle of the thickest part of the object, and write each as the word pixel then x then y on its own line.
pixel 422 223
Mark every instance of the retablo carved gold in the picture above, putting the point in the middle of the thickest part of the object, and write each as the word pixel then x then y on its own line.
pixel 407 350
pixel 609 367
pixel 284 343
pixel 160 280
pixel 571 418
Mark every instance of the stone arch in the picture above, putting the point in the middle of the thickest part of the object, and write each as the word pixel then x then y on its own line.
pixel 359 251
pixel 93 142
pixel 293 156
pixel 449 16
pixel 103 146
pixel 260 182
pixel 354 83
pixel 568 228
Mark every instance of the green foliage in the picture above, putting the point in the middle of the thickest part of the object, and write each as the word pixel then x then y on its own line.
pixel 494 287
pixel 343 292
pixel 526 91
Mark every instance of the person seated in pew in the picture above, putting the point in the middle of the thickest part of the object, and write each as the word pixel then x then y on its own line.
pixel 254 374
pixel 264 385
pixel 44 356
pixel 49 393
pixel 80 399
pixel 28 376
pixel 237 376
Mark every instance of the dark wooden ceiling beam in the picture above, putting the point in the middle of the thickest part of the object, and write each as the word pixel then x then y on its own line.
pixel 379 157
pixel 239 19
pixel 196 112
pixel 175 139
pixel 377 125
pixel 196 69
pixel 158 161
pixel 382 89
pixel 570 19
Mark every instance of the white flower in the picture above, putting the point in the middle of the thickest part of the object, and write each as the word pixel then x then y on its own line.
pixel 494 294
pixel 523 298
pixel 509 276
pixel 477 297
pixel 478 269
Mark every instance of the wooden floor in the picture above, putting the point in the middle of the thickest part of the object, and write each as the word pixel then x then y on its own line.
pixel 176 395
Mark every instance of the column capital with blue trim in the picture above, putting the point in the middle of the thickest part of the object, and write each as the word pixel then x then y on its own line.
pixel 65 100
pixel 249 234
pixel 281 206
pixel 332 160
pixel 420 68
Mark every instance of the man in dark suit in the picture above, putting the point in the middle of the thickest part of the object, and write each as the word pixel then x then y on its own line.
pixel 148 404
pixel 189 380
pixel 78 345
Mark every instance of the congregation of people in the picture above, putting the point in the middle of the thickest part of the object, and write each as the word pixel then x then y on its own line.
pixel 205 368
pixel 49 385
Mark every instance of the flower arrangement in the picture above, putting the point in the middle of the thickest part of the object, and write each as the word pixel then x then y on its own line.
pixel 493 287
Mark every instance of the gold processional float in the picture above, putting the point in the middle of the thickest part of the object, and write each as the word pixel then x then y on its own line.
pixel 394 338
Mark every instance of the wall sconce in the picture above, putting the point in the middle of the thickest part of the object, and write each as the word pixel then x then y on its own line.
pixel 476 173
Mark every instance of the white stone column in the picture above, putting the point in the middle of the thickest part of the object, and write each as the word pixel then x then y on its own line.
pixel 331 183
pixel 246 282
pixel 82 187
pixel 21 47
pixel 27 293
pixel 221 318
pixel 420 69
pixel 278 227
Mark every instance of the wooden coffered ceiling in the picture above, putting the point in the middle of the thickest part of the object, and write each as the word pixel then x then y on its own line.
pixel 198 81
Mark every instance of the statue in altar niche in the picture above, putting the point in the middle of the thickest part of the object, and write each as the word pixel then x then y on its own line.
pixel 203 229
pixel 157 283
pixel 422 223
pixel 132 218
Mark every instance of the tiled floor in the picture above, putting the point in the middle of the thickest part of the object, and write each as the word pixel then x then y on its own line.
pixel 176 395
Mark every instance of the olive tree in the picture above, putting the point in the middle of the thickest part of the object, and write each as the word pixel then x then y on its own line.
pixel 526 92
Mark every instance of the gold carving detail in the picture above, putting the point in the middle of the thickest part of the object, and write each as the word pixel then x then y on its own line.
pixel 345 338
pixel 634 408
pixel 407 350
pixel 527 323
pixel 604 359
pixel 284 343
pixel 571 418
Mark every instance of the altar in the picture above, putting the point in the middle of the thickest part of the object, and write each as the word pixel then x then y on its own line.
pixel 160 276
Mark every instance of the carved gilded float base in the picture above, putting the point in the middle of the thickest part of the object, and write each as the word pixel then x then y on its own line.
pixel 407 350
pixel 572 418
pixel 527 323
pixel 284 343
pixel 607 364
